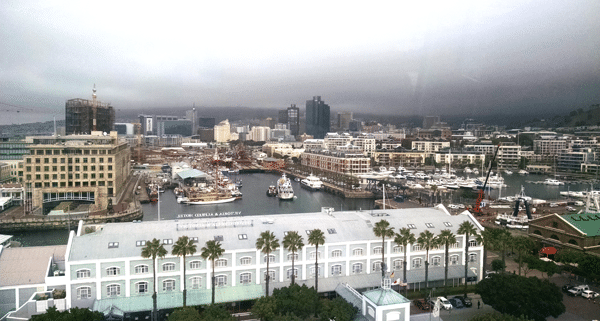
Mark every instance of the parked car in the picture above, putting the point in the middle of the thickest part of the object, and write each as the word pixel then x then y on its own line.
pixel 567 287
pixel 423 304
pixel 461 205
pixel 453 206
pixel 571 209
pixel 456 303
pixel 588 294
pixel 553 205
pixel 579 203
pixel 444 303
pixel 466 301
pixel 578 290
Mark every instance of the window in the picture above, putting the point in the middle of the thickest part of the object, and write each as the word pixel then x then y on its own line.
pixel 167 241
pixel 221 263
pixel 555 224
pixel 429 225
pixel 271 275
pixel 398 249
pixel 357 268
pixel 113 245
pixel 168 285
pixel 291 256
pixel 312 270
pixel 336 253
pixel 140 269
pixel 398 264
pixel 219 238
pixel 289 273
pixel 416 247
pixel 112 271
pixel 194 239
pixel 357 252
pixel 84 273
pixel 454 260
pixel 141 287
pixel 417 263
pixel 472 243
pixel 447 224
pixel 378 250
pixel 242 236
pixel 436 261
pixel 194 265
pixel 376 266
pixel 195 282
pixel 314 255
pixel 331 231
pixel 411 226
pixel 246 260
pixel 140 243
pixel 246 278
pixel 221 280
pixel 336 269
pixel 113 290
pixel 454 246
pixel 271 258
pixel 168 267
pixel 472 257
pixel 84 292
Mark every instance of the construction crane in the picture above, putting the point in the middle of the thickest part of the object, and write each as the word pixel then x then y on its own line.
pixel 481 193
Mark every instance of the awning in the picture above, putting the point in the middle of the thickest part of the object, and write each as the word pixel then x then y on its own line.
pixel 548 250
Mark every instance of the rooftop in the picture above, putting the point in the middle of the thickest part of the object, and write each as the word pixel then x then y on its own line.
pixel 27 265
pixel 586 223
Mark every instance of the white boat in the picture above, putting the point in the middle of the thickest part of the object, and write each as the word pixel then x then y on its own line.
pixel 468 170
pixel 508 172
pixel 284 188
pixel 553 182
pixel 214 201
pixel 312 183
pixel 523 172
pixel 476 171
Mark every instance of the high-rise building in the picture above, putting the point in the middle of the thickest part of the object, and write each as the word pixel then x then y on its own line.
pixel 293 119
pixel 193 117
pixel 317 117
pixel 206 122
pixel 343 120
pixel 83 116
pixel 223 132
pixel 150 125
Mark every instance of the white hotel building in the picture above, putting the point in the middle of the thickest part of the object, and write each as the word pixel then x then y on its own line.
pixel 103 269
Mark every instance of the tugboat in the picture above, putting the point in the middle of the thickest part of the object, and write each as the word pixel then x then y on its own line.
pixel 272 191
pixel 284 188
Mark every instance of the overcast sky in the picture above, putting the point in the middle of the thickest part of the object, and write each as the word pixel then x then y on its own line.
pixel 422 57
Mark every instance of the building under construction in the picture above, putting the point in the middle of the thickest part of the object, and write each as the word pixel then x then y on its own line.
pixel 83 116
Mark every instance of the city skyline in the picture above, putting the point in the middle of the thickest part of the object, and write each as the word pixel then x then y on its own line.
pixel 431 58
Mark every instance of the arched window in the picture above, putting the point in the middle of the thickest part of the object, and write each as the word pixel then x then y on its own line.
pixel 553 236
pixel 398 264
pixel 84 292
pixel 376 266
pixel 312 270
pixel 141 269
pixel 168 267
pixel 246 260
pixel 472 243
pixel 289 273
pixel 113 290
pixel 168 285
pixel 436 261
pixel 271 275
pixel 357 268
pixel 292 255
pixel 195 282
pixel 555 224
pixel 336 253
pixel 195 265
pixel 141 287
pixel 336 269
pixel 314 254
pixel 472 257
pixel 221 280
pixel 398 249
pixel 416 247
pixel 453 260
pixel 246 278
pixel 378 250
pixel 572 241
pixel 84 273
pixel 417 263
pixel 357 252
pixel 271 258
pixel 537 232
pixel 112 271
pixel 221 263
pixel 454 246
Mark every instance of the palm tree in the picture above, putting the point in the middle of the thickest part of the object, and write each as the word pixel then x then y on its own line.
pixel 267 243
pixel 503 240
pixel 316 238
pixel 468 229
pixel 522 244
pixel 488 239
pixel 446 238
pixel 212 251
pixel 293 242
pixel 154 249
pixel 184 246
pixel 382 229
pixel 427 241
pixel 404 237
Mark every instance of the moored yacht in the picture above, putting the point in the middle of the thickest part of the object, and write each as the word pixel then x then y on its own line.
pixel 284 188
pixel 553 182
pixel 312 183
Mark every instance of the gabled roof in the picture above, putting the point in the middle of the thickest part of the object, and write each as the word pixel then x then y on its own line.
pixel 587 223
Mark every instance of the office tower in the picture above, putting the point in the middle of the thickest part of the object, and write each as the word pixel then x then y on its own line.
pixel 293 119
pixel 206 122
pixel 193 117
pixel 83 116
pixel 317 117
pixel 343 120
pixel 429 121
pixel 223 132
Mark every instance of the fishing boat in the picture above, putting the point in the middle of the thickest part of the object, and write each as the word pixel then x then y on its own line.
pixel 272 191
pixel 312 183
pixel 284 188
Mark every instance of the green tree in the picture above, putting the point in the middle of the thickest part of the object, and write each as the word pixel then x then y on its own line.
pixel 517 295
pixel 503 240
pixel 446 238
pixel 184 314
pixel 523 245
pixel 154 249
pixel 212 251
pixel 316 238
pixel 183 247
pixel 265 308
pixel 427 241
pixel 267 243
pixel 498 265
pixel 297 300
pixel 293 242
pixel 468 229
pixel 73 314
pixel 404 238
pixel 216 312
pixel 337 309
pixel 488 239
pixel 382 229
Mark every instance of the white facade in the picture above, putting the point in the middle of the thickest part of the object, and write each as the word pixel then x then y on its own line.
pixel 430 146
pixel 223 132
pixel 260 133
